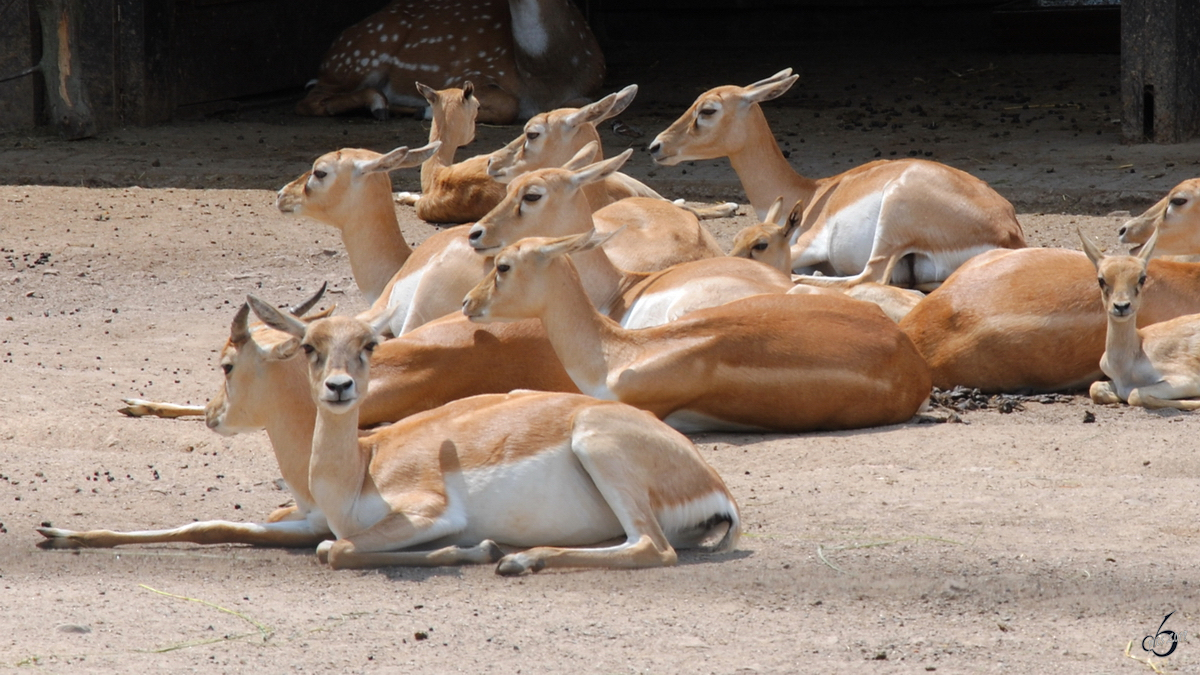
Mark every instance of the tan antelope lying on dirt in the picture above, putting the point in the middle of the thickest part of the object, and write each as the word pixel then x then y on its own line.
pixel 929 216
pixel 1028 320
pixel 768 243
pixel 568 446
pixel 552 202
pixel 453 193
pixel 524 56
pixel 442 361
pixel 349 189
pixel 768 362
pixel 1175 217
pixel 1152 366
pixel 464 192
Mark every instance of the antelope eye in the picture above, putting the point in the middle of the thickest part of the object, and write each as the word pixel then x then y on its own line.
pixel 319 174
pixel 503 267
pixel 308 349
pixel 370 346
pixel 531 196
pixel 1178 201
pixel 227 368
pixel 706 112
pixel 532 135
pixel 1102 284
pixel 1142 280
pixel 760 246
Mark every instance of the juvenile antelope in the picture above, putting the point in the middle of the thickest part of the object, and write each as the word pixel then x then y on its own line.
pixel 768 242
pixel 1154 366
pixel 525 56
pixel 1176 219
pixel 453 193
pixel 553 202
pixel 768 362
pixel 928 216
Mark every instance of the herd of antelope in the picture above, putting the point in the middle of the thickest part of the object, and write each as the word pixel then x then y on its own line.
pixel 518 389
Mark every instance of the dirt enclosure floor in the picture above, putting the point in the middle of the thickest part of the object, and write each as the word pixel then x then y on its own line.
pixel 1048 539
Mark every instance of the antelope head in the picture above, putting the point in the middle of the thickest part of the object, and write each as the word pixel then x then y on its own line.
pixel 254 369
pixel 1121 278
pixel 340 182
pixel 338 350
pixel 518 287
pixel 538 202
pixel 1175 218
pixel 551 138
pixel 454 112
pixel 770 241
pixel 718 123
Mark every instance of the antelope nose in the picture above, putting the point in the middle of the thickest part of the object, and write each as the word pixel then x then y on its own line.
pixel 1121 308
pixel 655 147
pixel 339 385
pixel 475 234
pixel 1122 230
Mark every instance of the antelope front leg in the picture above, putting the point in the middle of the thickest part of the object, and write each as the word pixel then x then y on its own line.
pixel 341 555
pixel 641 553
pixel 136 407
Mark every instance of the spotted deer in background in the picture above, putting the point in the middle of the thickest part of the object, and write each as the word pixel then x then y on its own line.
pixel 524 56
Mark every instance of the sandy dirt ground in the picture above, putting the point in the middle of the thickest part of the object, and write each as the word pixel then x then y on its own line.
pixel 1047 539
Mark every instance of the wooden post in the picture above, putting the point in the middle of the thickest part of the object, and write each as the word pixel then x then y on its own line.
pixel 1160 70
pixel 66 93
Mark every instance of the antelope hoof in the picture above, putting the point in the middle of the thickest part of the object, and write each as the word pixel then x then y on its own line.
pixel 517 564
pixel 323 551
pixel 56 539
pixel 491 551
pixel 136 407
pixel 380 114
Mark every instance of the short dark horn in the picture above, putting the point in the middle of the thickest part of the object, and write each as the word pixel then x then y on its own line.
pixel 302 308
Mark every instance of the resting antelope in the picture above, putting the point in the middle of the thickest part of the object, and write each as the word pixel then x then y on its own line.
pixel 768 362
pixel 453 193
pixel 552 138
pixel 464 192
pixel 768 242
pixel 439 362
pixel 553 202
pixel 929 216
pixel 1028 320
pixel 1154 366
pixel 525 56
pixel 1175 217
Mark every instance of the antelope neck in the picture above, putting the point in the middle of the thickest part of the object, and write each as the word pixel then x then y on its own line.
pixel 762 169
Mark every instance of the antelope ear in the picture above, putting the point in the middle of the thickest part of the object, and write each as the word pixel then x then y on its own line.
pixel 400 158
pixel 575 243
pixel 1090 249
pixel 777 77
pixel 1148 248
pixel 794 219
pixel 276 319
pixel 621 101
pixel 609 106
pixel 468 90
pixel 239 330
pixel 775 212
pixel 600 170
pixel 586 155
pixel 429 93
pixel 768 89
pixel 284 350
pixel 500 161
